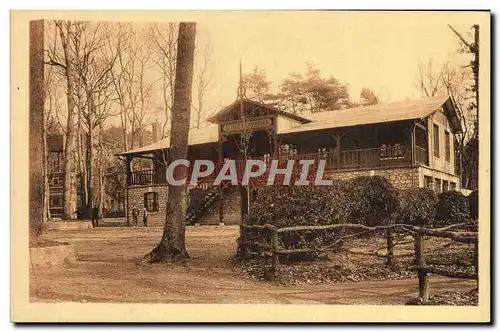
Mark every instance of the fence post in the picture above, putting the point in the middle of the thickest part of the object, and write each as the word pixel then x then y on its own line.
pixel 275 257
pixel 390 248
pixel 423 282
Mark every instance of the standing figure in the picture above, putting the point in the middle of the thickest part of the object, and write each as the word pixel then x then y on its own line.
pixel 135 216
pixel 145 217
pixel 95 216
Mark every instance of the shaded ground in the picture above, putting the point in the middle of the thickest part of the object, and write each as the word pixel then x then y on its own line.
pixel 107 271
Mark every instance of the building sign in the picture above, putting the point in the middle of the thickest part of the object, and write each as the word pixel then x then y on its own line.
pixel 251 125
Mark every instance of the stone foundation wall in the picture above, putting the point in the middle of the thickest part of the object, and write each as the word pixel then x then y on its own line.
pixel 405 177
pixel 136 199
pixel 232 210
pixel 232 207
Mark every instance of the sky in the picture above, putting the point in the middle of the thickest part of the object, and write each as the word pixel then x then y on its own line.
pixel 376 50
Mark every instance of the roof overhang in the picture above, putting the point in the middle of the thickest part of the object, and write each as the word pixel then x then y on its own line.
pixel 247 104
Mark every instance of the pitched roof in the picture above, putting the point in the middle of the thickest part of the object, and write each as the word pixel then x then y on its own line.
pixel 235 106
pixel 205 135
pixel 397 111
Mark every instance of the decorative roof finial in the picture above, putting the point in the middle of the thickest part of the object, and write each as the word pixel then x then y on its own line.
pixel 241 84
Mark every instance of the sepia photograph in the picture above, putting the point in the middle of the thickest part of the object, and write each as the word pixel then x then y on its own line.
pixel 267 165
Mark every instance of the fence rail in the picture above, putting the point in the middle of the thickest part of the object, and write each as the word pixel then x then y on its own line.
pixel 271 247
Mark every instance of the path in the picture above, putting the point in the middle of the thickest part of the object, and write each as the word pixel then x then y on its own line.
pixel 107 272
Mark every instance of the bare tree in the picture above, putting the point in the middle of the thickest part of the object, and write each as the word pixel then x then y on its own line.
pixel 453 81
pixel 430 80
pixel 50 93
pixel 94 79
pixel 123 74
pixel 173 242
pixel 163 39
pixel 65 62
pixel 140 116
pixel 203 85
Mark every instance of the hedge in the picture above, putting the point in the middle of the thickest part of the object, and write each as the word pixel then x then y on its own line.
pixel 452 208
pixel 417 206
pixel 473 199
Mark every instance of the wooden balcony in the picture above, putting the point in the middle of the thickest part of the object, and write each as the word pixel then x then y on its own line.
pixel 383 157
pixel 141 178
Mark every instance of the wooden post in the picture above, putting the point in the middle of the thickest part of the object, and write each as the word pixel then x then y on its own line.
pixel 390 248
pixel 129 182
pixel 221 189
pixel 423 282
pixel 275 257
pixel 337 137
pixel 413 144
pixel 275 143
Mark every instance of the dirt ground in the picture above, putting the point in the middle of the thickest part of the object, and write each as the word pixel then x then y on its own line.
pixel 107 271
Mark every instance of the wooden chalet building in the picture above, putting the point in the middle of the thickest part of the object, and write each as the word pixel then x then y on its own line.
pixel 409 142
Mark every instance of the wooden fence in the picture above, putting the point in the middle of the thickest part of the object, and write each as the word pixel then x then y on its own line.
pixel 270 248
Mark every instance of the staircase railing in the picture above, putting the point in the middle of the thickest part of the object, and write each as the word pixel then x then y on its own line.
pixel 200 198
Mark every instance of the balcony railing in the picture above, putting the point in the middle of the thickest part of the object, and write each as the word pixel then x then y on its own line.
pixel 142 177
pixel 391 155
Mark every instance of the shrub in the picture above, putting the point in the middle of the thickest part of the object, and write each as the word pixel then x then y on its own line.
pixel 367 200
pixel 417 206
pixel 372 200
pixel 452 207
pixel 473 199
pixel 284 206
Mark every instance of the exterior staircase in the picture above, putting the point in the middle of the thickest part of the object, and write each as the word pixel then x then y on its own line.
pixel 201 198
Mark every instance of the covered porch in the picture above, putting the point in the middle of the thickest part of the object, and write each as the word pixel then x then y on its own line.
pixel 359 147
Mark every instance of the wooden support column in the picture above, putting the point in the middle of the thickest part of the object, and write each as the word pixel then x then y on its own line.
pixel 430 141
pixel 275 145
pixel 413 144
pixel 129 180
pixel 337 138
pixel 221 186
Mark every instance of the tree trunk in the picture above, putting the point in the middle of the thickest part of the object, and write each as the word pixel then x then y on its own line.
pixel 36 97
pixel 70 136
pixel 90 163
pixel 46 193
pixel 81 157
pixel 101 171
pixel 173 242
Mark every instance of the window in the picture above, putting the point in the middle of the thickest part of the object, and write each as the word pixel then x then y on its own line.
pixel 445 186
pixel 453 186
pixel 55 201
pixel 447 150
pixel 56 181
pixel 436 141
pixel 428 182
pixel 151 201
pixel 287 150
pixel 437 185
